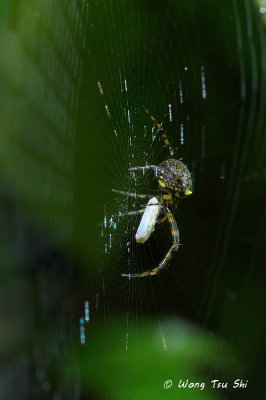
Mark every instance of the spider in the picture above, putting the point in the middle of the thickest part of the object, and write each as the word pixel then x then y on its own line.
pixel 175 182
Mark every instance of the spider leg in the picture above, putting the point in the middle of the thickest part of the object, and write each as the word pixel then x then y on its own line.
pixel 154 167
pixel 162 132
pixel 135 195
pixel 161 220
pixel 169 254
pixel 129 213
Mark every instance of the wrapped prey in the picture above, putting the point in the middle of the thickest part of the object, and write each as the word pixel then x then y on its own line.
pixel 148 220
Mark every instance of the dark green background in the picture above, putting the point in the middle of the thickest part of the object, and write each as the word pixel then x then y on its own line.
pixel 59 160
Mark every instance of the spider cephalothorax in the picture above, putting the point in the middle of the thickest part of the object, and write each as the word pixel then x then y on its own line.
pixel 175 182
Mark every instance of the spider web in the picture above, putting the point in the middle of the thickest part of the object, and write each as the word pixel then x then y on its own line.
pixel 213 115
pixel 176 93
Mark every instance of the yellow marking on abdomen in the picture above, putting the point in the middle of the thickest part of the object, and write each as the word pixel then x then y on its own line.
pixel 167 197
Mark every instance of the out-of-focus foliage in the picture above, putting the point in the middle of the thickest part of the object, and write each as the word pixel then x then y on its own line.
pixel 153 355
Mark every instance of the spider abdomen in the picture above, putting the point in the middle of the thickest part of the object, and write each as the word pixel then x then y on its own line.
pixel 175 177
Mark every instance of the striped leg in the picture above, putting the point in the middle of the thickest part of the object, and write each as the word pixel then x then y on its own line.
pixel 162 132
pixel 154 167
pixel 169 254
pixel 135 195
pixel 129 213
